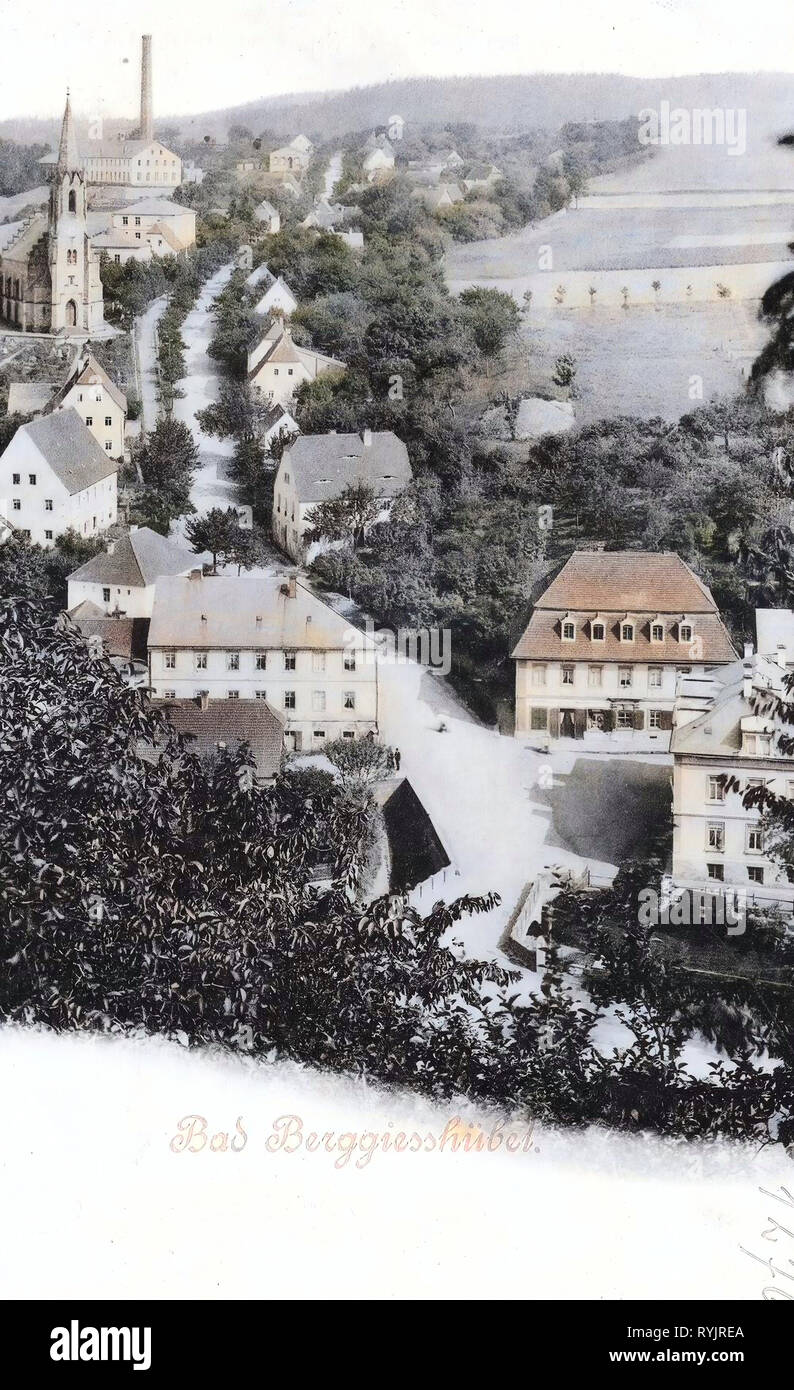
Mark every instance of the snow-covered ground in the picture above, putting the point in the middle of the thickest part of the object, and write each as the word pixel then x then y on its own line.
pixel 96 1204
pixel 332 174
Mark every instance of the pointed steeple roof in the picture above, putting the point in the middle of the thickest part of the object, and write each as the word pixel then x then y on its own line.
pixel 68 154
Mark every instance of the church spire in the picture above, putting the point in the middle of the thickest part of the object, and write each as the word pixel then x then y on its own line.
pixel 68 156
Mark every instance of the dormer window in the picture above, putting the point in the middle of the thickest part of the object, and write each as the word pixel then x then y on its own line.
pixel 657 632
pixel 598 631
pixel 627 632
pixel 568 631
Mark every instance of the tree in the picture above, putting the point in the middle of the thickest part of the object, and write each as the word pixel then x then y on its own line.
pixel 564 370
pixel 217 531
pixel 168 458
pixel 348 516
pixel 492 317
pixel 360 761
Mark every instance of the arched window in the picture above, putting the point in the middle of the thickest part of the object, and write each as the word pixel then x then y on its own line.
pixel 72 201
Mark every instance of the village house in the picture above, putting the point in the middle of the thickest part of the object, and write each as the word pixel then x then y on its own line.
pixel 120 580
pixel 293 158
pixel 215 726
pixel 605 644
pixel 166 228
pixel 277 366
pixel 481 177
pixel 55 477
pixel 89 390
pixel 378 162
pixel 268 217
pixel 726 727
pixel 446 195
pixel 317 467
pixel 264 638
pixel 277 299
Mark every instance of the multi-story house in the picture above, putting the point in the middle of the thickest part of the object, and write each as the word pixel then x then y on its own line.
pixel 55 477
pixel 317 467
pixel 89 389
pixel 277 366
pixel 605 644
pixel 120 580
pixel 725 742
pixel 245 637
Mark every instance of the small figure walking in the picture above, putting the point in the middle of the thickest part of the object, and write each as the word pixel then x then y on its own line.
pixel 396 759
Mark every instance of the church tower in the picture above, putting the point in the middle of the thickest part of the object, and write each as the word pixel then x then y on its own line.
pixel 76 293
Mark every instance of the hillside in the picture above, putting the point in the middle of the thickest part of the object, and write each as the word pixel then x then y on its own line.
pixel 503 103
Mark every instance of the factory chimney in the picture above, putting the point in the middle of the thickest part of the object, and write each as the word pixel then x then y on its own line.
pixel 147 122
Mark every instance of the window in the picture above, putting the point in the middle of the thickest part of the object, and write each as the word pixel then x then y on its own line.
pixel 683 670
pixel 289 661
pixel 716 871
pixel 350 661
pixel 289 699
pixel 232 694
pixel 627 632
pixel 715 835
pixel 594 676
pixel 538 717
pixel 348 733
pixel 16 505
pixel 232 661
pixel 261 661
pixel 201 661
pixel 170 657
pixel 716 789
pixel 125 220
pixel 567 675
pixel 319 735
pixel 261 694
pixel 685 632
pixel 318 701
pixel 89 419
pixel 106 595
pixel 657 632
pixel 16 478
pixel 349 699
pixel 538 675
pixel 48 504
pixel 754 839
pixel 655 719
pixel 318 661
pixel 624 677
pixel 755 873
pixel 108 446
pixel 108 419
pixel 568 632
pixel 654 677
pixel 286 477
pixel 32 479
pixel 599 632
pixel 48 535
pixel 169 694
pixel 625 719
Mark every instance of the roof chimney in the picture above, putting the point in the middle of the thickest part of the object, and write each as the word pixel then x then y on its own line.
pixel 147 120
pixel 203 699
pixel 110 547
pixel 195 574
pixel 781 655
pixel 367 437
pixel 748 651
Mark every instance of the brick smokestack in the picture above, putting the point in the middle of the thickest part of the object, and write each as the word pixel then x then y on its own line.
pixel 147 119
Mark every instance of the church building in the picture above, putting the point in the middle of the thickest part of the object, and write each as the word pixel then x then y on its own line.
pixel 49 271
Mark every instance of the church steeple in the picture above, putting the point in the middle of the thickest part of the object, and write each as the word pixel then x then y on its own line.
pixel 68 154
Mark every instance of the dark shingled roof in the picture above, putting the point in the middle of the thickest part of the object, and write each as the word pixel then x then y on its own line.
pixel 324 464
pixel 121 637
pixel 231 722
pixel 415 848
pixel 70 449
pixel 137 560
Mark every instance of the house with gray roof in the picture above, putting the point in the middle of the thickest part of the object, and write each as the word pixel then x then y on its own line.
pixel 318 467
pixel 54 477
pixel 120 580
pixel 88 388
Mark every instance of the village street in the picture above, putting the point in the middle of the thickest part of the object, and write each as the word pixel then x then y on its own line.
pixel 146 348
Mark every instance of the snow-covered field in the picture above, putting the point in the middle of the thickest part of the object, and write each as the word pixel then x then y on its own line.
pixel 95 1203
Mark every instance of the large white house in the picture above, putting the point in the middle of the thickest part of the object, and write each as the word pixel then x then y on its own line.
pixel 89 389
pixel 54 476
pixel 293 158
pixel 267 638
pixel 606 642
pixel 277 366
pixel 318 467
pixel 726 741
pixel 120 580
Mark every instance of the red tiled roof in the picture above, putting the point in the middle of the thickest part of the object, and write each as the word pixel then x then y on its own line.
pixel 542 640
pixel 627 580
